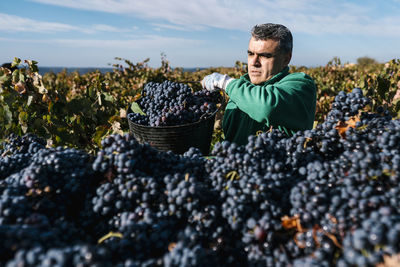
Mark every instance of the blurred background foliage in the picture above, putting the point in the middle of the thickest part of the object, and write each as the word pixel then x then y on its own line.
pixel 78 110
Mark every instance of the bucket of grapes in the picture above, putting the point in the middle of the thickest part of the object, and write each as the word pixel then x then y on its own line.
pixel 169 116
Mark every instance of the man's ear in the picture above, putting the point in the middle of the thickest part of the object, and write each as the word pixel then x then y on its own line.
pixel 288 57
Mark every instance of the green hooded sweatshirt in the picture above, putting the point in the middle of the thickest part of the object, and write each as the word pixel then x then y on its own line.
pixel 286 101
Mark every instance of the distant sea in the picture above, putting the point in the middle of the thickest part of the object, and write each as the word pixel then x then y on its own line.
pixel 43 70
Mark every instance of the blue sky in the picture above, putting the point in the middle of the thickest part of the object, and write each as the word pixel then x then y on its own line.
pixel 208 33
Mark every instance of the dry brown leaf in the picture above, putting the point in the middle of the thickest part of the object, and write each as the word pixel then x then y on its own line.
pixel 45 98
pixel 342 127
pixel 171 246
pixel 333 238
pixel 300 245
pixel 137 96
pixel 20 87
pixel 292 222
pixel 316 229
pixel 332 219
pixel 116 128
pixel 122 113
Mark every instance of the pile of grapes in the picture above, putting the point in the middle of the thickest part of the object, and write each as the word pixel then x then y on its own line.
pixel 171 103
pixel 323 197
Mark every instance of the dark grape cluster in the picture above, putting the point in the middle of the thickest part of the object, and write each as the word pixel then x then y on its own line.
pixel 76 255
pixel 172 103
pixel 347 105
pixel 322 197
pixel 377 236
pixel 16 152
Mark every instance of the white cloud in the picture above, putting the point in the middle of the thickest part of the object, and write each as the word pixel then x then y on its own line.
pixel 309 16
pixel 147 42
pixel 169 26
pixel 107 28
pixel 12 23
pixel 143 42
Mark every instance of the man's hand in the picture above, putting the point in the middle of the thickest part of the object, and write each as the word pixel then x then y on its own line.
pixel 216 80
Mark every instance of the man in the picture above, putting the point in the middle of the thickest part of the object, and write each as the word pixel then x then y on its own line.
pixel 268 95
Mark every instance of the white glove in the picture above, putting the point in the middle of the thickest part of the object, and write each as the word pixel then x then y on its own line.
pixel 216 80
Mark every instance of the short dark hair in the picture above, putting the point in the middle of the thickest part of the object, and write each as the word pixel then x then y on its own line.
pixel 276 32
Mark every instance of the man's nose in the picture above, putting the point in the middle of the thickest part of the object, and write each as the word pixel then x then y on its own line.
pixel 256 61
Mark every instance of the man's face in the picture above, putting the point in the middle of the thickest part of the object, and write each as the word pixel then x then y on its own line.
pixel 265 60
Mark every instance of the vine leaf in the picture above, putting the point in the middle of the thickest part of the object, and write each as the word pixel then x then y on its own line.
pixel 136 109
pixel 20 87
pixel 171 246
pixel 29 102
pixel 16 62
pixel 342 127
pixel 100 132
pixel 116 128
pixel 292 223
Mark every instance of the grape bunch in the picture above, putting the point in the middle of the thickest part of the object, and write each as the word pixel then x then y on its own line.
pixel 17 151
pixel 76 255
pixel 171 103
pixel 328 196
pixel 377 236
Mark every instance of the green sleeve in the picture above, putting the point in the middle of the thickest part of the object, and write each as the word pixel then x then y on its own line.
pixel 289 102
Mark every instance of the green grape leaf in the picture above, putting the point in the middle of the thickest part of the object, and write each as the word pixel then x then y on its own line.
pixel 100 132
pixel 136 109
pixel 23 119
pixel 15 76
pixel 21 76
pixel 4 78
pixel 16 62
pixel 383 86
pixel 108 97
pixel 9 115
pixel 32 65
